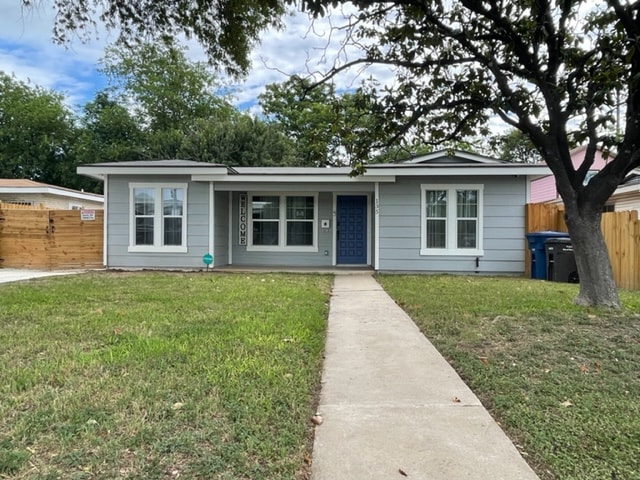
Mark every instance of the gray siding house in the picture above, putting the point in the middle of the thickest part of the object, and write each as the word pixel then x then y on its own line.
pixel 442 212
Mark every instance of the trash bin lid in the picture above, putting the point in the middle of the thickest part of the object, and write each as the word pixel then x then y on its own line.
pixel 558 240
pixel 548 233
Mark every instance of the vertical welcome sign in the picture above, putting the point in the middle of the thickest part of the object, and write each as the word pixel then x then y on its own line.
pixel 242 220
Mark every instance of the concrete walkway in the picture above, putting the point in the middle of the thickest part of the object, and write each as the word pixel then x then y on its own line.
pixel 16 275
pixel 392 407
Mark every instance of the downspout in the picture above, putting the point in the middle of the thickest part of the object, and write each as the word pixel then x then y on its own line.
pixel 212 225
pixel 230 229
pixel 376 227
pixel 105 223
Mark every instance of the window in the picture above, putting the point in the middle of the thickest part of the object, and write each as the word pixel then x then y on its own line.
pixel 283 222
pixel 300 221
pixel 451 220
pixel 265 213
pixel 158 215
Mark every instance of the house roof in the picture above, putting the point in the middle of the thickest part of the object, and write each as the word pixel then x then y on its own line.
pixel 445 163
pixel 632 179
pixel 151 167
pixel 631 185
pixel 171 163
pixel 18 183
pixel 453 156
pixel 25 186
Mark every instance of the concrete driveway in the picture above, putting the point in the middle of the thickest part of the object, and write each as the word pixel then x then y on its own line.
pixel 16 275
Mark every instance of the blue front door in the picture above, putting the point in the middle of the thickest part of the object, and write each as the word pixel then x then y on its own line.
pixel 351 232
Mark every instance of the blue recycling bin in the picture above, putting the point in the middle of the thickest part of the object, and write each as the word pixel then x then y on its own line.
pixel 538 254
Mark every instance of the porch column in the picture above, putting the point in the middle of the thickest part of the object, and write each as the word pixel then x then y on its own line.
pixel 376 226
pixel 212 221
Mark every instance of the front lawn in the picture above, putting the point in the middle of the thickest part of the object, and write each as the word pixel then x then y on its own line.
pixel 160 375
pixel 563 381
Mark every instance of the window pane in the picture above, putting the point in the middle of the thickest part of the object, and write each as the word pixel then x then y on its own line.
pixel 467 204
pixel 436 203
pixel 172 201
pixel 265 208
pixel 265 233
pixel 172 231
pixel 144 200
pixel 436 233
pixel 467 230
pixel 299 233
pixel 144 231
pixel 299 208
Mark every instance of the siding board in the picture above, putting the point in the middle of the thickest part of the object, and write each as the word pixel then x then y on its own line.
pixel 399 226
pixel 242 257
pixel 118 233
pixel 503 227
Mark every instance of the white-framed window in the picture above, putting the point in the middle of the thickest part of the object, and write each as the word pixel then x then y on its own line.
pixel 283 222
pixel 451 220
pixel 158 217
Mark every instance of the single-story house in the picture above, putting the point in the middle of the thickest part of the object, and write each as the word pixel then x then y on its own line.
pixel 627 195
pixel 441 212
pixel 17 191
pixel 544 189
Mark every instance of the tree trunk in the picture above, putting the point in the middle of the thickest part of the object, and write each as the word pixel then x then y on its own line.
pixel 597 286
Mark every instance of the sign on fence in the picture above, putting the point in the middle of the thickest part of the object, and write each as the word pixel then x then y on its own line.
pixel 87 215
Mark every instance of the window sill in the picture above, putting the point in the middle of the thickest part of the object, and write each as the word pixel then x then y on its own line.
pixel 275 248
pixel 439 252
pixel 153 249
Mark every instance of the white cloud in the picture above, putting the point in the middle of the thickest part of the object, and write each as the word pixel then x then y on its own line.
pixel 305 47
pixel 28 52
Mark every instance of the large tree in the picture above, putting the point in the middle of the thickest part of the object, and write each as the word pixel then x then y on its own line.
pixel 36 133
pixel 242 141
pixel 227 29
pixel 514 146
pixel 327 127
pixel 552 69
pixel 181 113
pixel 165 89
pixel 108 132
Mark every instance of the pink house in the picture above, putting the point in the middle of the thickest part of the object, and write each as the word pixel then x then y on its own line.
pixel 544 189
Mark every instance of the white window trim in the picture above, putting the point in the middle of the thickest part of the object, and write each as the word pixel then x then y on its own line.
pixel 157 246
pixel 282 224
pixel 451 220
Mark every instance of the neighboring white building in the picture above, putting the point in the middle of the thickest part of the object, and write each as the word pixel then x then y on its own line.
pixel 29 193
pixel 627 196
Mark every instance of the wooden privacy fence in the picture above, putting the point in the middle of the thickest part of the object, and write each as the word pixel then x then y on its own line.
pixel 50 239
pixel 621 232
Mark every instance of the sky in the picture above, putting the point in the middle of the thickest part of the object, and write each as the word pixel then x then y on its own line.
pixel 28 52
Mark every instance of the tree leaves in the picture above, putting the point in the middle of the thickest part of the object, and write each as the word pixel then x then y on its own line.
pixel 226 29
pixel 328 128
pixel 36 131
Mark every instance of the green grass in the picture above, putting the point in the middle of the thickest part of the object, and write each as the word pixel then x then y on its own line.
pixel 160 375
pixel 563 381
